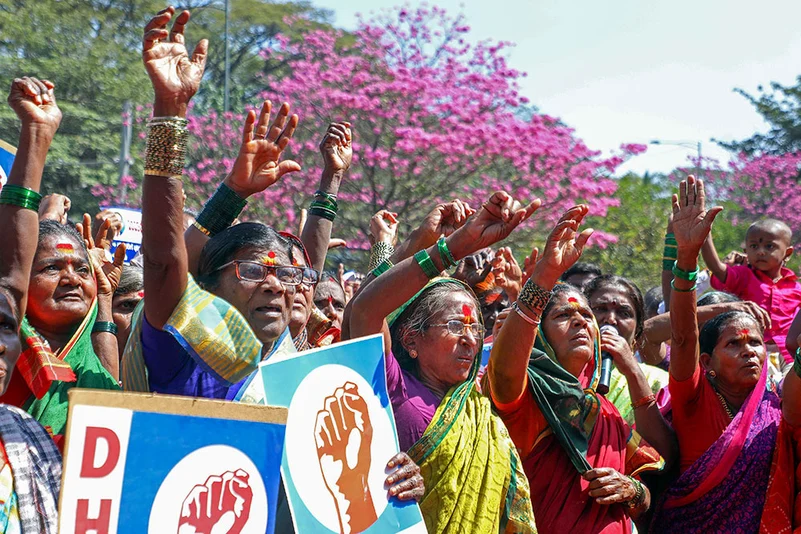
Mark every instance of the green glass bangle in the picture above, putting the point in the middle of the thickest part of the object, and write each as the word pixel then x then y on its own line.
pixel 674 288
pixel 690 276
pixel 383 267
pixel 426 263
pixel 445 253
pixel 326 196
pixel 221 210
pixel 324 205
pixel 797 362
pixel 324 213
pixel 16 195
pixel 104 326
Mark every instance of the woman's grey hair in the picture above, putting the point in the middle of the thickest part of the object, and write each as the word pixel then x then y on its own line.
pixel 419 316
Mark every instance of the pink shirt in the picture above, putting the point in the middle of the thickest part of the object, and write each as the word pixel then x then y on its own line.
pixel 780 299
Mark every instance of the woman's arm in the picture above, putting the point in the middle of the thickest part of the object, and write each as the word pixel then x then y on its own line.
pixel 791 391
pixel 495 221
pixel 443 220
pixel 651 425
pixel 337 150
pixel 692 223
pixel 175 78
pixel 35 104
pixel 512 347
pixel 657 329
pixel 257 167
pixel 794 333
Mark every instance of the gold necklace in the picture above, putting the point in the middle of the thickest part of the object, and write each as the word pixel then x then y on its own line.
pixel 725 404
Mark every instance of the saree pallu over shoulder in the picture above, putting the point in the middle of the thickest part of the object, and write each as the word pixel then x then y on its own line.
pixel 76 365
pixel 211 331
pixel 474 478
pixel 753 492
pixel 36 467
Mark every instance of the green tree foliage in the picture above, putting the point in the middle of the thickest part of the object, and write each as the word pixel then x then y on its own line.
pixel 780 106
pixel 91 50
pixel 639 223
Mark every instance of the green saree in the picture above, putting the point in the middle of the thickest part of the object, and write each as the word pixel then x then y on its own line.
pixel 474 478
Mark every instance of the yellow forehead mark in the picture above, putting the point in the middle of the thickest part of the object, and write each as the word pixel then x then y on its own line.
pixel 574 303
pixel 269 259
pixel 66 248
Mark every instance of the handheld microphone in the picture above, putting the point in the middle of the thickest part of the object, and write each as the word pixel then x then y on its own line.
pixel 606 364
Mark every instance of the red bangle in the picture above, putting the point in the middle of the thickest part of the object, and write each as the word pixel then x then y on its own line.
pixel 650 399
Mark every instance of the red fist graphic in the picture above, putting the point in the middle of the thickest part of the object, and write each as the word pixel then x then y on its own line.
pixel 220 506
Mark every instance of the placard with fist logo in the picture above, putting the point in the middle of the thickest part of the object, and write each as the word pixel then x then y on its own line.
pixel 157 464
pixel 340 433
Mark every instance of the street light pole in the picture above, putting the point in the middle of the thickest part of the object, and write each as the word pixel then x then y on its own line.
pixel 227 60
pixel 685 144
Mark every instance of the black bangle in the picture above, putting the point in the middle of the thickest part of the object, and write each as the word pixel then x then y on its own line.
pixel 797 362
pixel 221 210
pixel 104 326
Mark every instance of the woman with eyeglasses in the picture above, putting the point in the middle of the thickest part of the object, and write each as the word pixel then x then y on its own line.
pixel 433 336
pixel 203 334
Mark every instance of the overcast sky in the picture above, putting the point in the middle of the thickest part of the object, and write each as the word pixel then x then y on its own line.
pixel 628 71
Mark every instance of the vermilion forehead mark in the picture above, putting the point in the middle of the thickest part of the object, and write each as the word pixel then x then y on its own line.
pixel 141 294
pixel 330 301
pixel 744 334
pixel 574 302
pixel 65 248
pixel 467 311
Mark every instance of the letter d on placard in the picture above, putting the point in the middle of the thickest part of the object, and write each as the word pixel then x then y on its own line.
pixel 93 436
pixel 94 468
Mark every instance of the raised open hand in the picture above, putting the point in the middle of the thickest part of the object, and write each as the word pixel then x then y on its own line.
pixel 529 263
pixel 564 245
pixel 384 228
pixel 692 222
pixel 259 165
pixel 107 273
pixel 174 75
pixel 508 274
pixel 337 147
pixel 34 102
pixel 445 219
pixel 55 207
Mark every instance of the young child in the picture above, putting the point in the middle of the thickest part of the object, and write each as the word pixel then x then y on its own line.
pixel 765 280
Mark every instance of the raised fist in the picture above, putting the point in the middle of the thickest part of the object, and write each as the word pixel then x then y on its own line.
pixel 219 506
pixel 343 435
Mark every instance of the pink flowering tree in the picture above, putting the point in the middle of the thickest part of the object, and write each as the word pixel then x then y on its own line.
pixel 765 186
pixel 434 118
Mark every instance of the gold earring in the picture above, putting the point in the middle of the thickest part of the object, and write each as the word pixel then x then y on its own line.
pixel 713 374
pixel 413 353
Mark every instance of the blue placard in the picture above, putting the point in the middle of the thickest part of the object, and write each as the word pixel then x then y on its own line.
pixel 7 153
pixel 132 471
pixel 131 232
pixel 340 435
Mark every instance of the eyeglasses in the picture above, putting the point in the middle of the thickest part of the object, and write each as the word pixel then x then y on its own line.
pixel 458 328
pixel 310 276
pixel 251 271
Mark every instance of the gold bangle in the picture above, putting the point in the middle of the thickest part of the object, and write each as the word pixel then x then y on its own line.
pixel 163 174
pixel 201 228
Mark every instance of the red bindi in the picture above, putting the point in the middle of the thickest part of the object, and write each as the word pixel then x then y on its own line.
pixel 573 301
pixel 141 294
pixel 330 301
pixel 467 311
